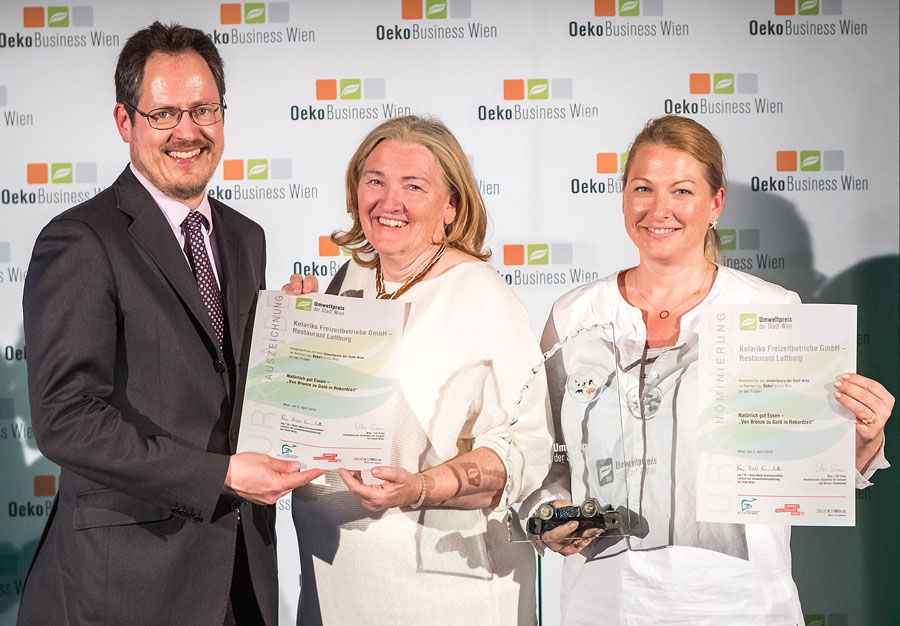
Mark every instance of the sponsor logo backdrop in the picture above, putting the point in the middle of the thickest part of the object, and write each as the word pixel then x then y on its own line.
pixel 544 96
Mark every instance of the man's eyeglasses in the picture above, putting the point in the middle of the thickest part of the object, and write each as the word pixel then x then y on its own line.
pixel 169 117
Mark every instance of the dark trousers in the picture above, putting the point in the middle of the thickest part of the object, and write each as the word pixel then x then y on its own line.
pixel 243 609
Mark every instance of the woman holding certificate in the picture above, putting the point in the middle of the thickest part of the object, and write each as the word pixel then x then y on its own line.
pixel 425 540
pixel 673 569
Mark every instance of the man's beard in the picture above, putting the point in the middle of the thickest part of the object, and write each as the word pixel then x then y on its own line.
pixel 183 190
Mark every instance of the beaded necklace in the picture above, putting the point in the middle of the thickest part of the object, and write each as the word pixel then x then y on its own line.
pixel 415 278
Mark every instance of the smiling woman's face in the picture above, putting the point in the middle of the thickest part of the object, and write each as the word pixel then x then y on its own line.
pixel 668 204
pixel 404 202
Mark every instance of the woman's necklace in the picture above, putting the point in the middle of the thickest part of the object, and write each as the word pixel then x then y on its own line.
pixel 664 313
pixel 379 280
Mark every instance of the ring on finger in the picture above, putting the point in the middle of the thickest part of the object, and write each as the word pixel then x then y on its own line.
pixel 868 420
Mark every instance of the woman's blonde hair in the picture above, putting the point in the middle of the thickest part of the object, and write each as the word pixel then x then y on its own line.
pixel 682 133
pixel 466 232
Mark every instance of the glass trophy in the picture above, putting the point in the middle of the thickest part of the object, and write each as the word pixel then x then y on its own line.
pixel 591 476
pixel 619 465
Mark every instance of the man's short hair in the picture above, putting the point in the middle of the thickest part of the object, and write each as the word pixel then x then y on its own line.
pixel 172 39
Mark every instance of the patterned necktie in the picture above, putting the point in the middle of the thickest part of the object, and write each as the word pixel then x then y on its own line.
pixel 194 246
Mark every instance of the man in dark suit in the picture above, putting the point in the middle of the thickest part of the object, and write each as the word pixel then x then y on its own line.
pixel 137 306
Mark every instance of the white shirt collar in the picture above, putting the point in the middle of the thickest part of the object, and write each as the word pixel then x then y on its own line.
pixel 174 210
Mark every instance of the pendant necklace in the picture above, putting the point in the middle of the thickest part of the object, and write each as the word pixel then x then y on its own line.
pixel 664 313
pixel 418 276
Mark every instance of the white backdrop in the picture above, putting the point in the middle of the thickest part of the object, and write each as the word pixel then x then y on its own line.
pixel 545 97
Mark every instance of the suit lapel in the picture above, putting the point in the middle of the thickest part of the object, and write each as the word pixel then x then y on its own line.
pixel 152 232
pixel 230 269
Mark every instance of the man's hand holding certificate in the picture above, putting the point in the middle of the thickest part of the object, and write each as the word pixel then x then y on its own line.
pixel 321 380
pixel 774 446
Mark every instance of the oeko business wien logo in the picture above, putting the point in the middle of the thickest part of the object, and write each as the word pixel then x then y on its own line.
pixel 542 264
pixel 57 27
pixel 628 18
pixel 326 264
pixel 258 173
pixel 43 486
pixel 57 17
pixel 742 250
pixel 723 93
pixel 440 19
pixel 13 117
pixel 821 619
pixel 537 89
pixel 610 163
pixel 336 98
pixel 246 18
pixel 255 13
pixel 41 181
pixel 816 18
pixel 435 9
pixel 523 99
pixel 809 170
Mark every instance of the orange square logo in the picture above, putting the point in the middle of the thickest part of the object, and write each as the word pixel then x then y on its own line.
pixel 45 486
pixel 233 169
pixel 514 89
pixel 699 83
pixel 328 247
pixel 786 160
pixel 231 13
pixel 514 255
pixel 604 8
pixel 411 10
pixel 33 17
pixel 784 7
pixel 37 174
pixel 607 162
pixel 326 89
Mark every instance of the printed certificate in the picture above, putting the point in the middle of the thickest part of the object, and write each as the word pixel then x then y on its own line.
pixel 322 380
pixel 774 446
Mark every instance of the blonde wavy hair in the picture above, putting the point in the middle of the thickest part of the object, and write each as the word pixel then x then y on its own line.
pixel 466 232
pixel 682 133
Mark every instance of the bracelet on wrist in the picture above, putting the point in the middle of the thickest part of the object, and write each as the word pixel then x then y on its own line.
pixel 421 500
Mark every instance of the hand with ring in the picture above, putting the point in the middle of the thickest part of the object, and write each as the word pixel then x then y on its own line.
pixel 872 404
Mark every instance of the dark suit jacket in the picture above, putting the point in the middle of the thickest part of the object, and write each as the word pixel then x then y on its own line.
pixel 133 398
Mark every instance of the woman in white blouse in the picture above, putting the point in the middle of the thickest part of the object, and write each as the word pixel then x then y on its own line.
pixel 425 540
pixel 674 570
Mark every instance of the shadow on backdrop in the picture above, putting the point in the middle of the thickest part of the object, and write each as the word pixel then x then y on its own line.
pixel 29 481
pixel 841 573
pixel 871 284
pixel 764 235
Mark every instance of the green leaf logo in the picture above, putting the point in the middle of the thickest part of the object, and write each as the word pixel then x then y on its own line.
pixel 257 169
pixel 809 7
pixel 58 17
pixel 255 13
pixel 436 9
pixel 351 89
pixel 538 254
pixel 623 159
pixel 728 239
pixel 748 321
pixel 61 173
pixel 538 88
pixel 723 83
pixel 810 161
pixel 304 304
pixel 629 8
